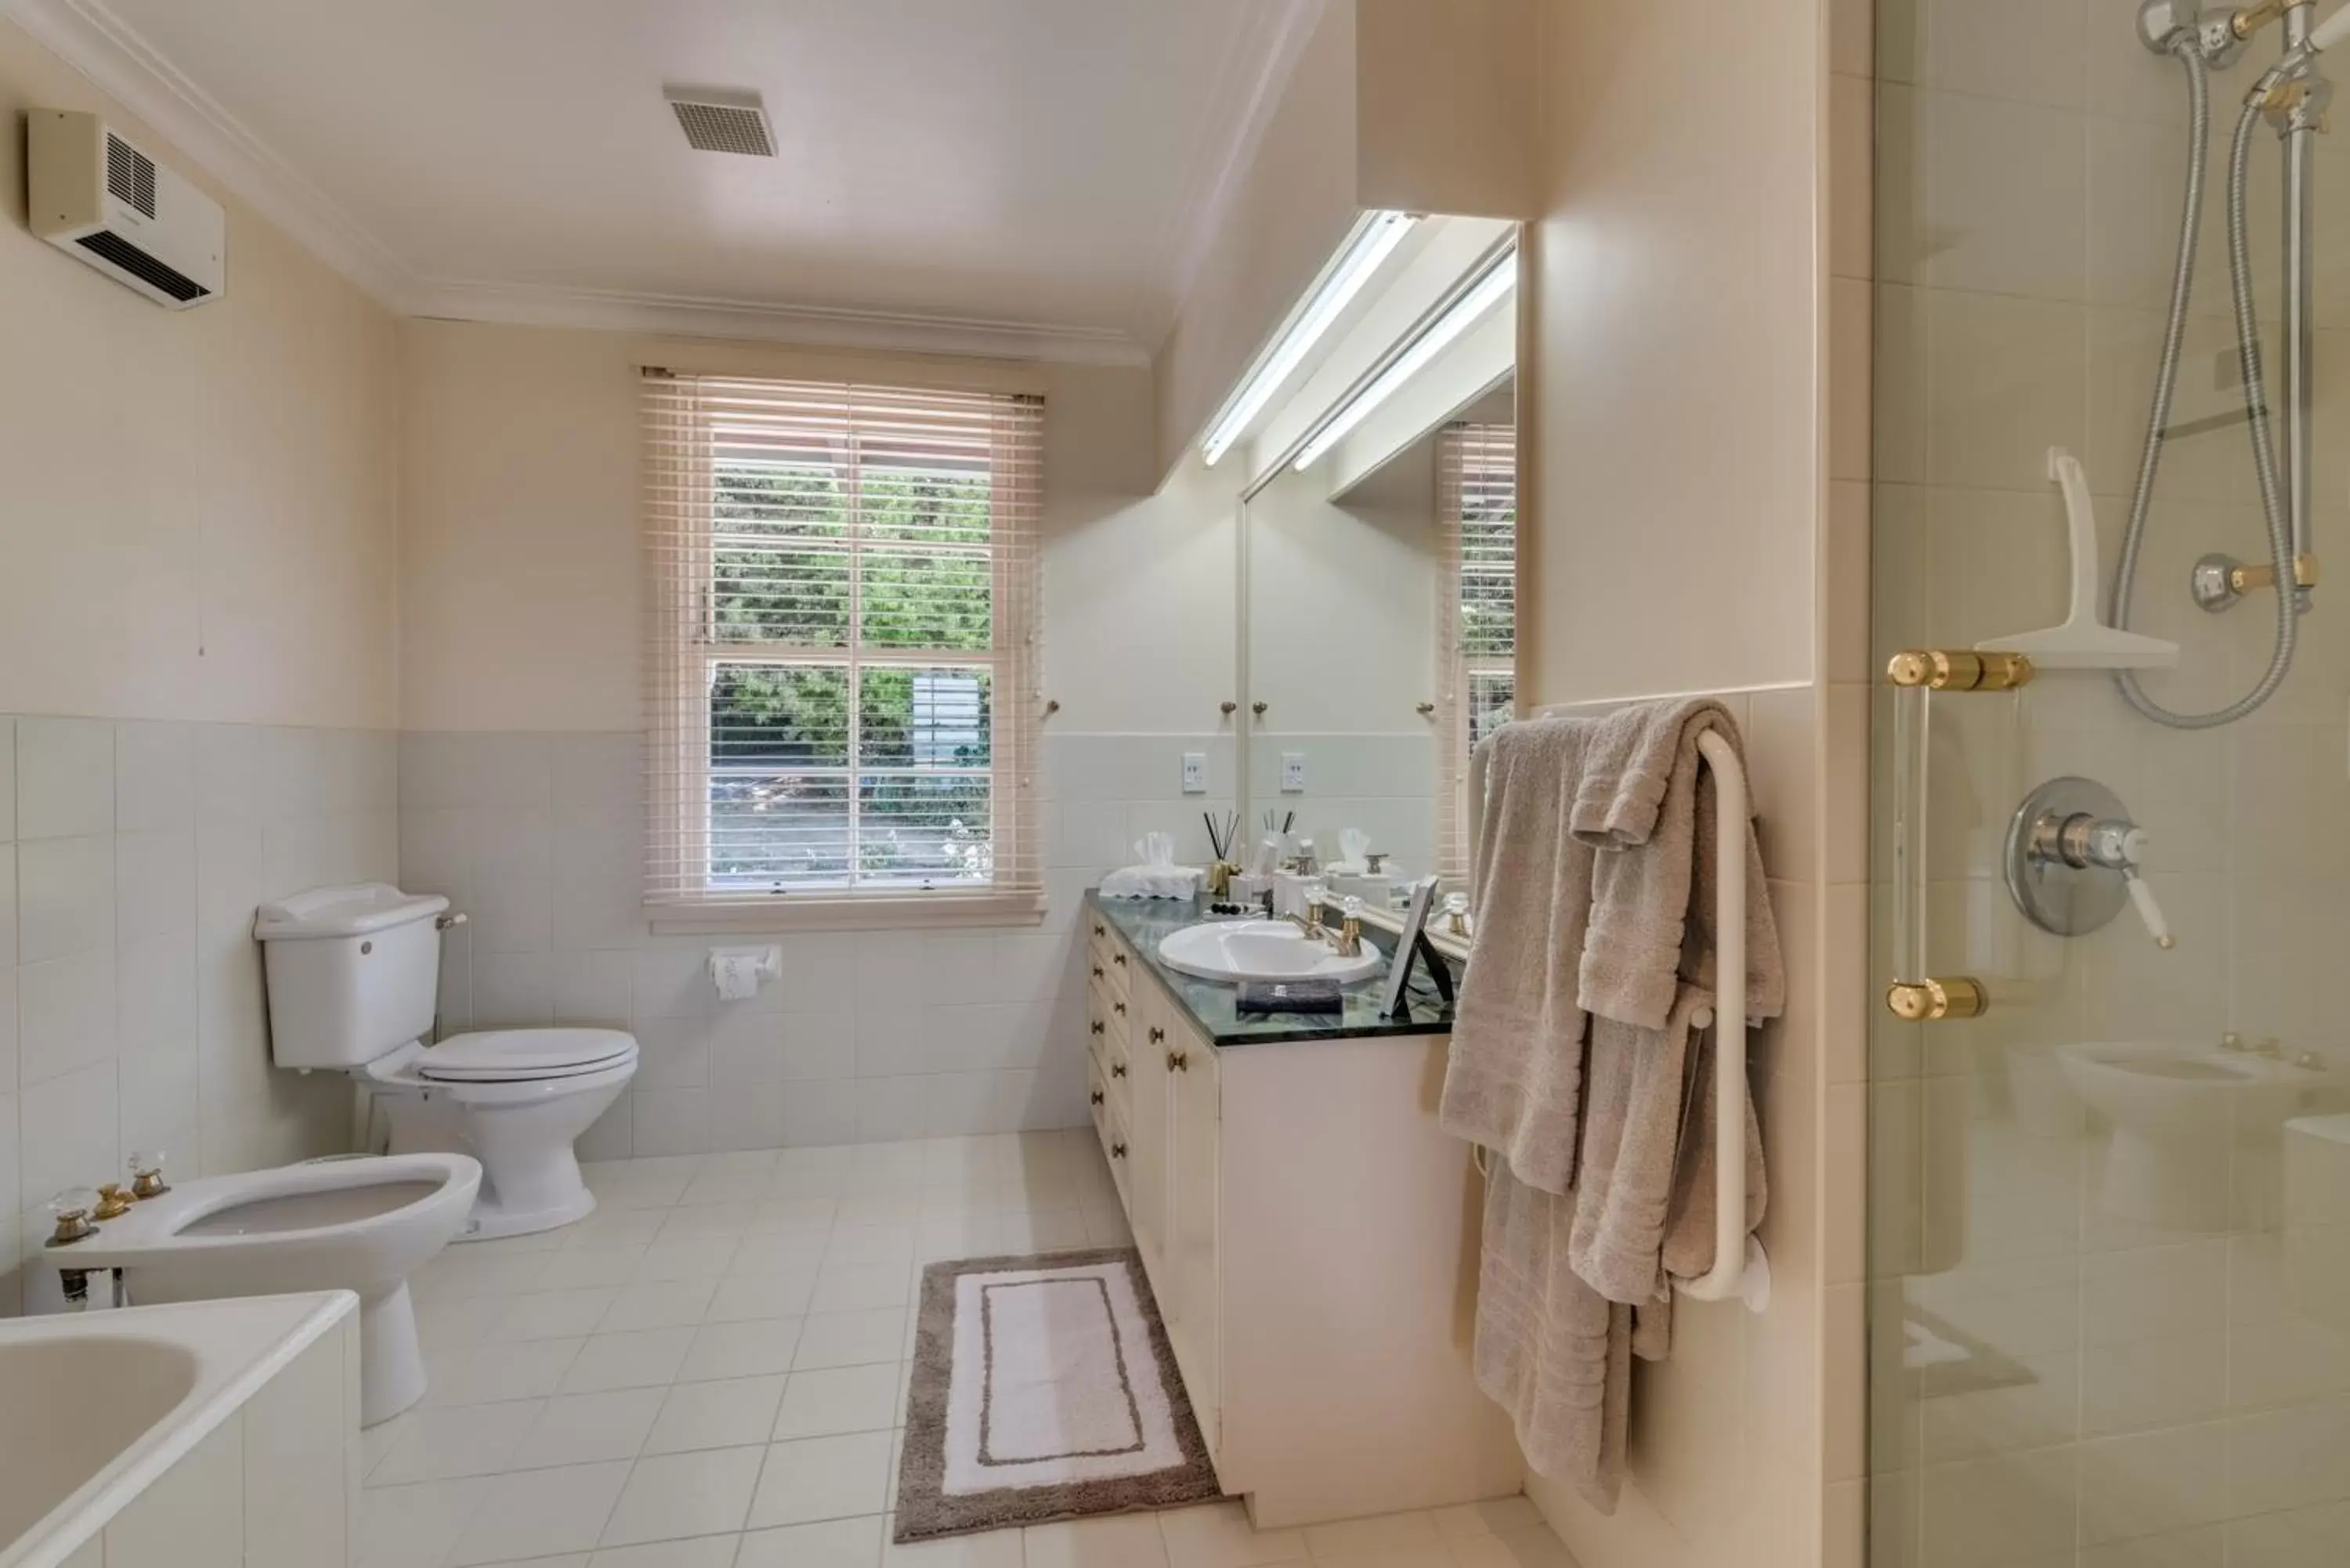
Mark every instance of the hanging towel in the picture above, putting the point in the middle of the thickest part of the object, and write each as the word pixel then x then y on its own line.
pixel 1514 1075
pixel 1649 1117
pixel 1549 1349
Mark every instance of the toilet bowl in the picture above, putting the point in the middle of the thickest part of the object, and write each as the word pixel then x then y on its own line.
pixel 353 976
pixel 361 1223
pixel 2197 1130
pixel 516 1100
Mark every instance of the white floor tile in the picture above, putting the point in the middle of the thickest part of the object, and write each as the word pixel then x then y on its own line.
pixel 1535 1547
pixel 833 1400
pixel 1218 1535
pixel 702 1258
pixel 822 1477
pixel 1118 1541
pixel 638 1360
pixel 494 1372
pixel 673 1495
pixel 783 1292
pixel 892 1243
pixel 450 1326
pixel 443 1443
pixel 703 1552
pixel 851 1338
pixel 552 1314
pixel 1385 1534
pixel 988 1548
pixel 662 1304
pixel 754 1348
pixel 1495 1516
pixel 728 1220
pixel 415 1526
pixel 615 1228
pixel 833 1544
pixel 844 1286
pixel 589 1428
pixel 717 1415
pixel 537 1513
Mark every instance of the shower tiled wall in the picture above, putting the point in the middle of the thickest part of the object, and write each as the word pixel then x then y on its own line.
pixel 2140 1385
pixel 131 1010
pixel 868 1036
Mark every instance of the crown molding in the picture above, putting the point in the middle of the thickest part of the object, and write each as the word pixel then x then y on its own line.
pixel 127 68
pixel 826 327
pixel 123 66
pixel 1258 60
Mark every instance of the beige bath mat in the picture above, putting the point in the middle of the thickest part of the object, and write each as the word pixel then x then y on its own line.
pixel 1043 1388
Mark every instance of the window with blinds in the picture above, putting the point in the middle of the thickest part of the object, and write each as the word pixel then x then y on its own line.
pixel 1477 619
pixel 843 647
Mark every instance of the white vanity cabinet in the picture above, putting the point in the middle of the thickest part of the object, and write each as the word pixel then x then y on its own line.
pixel 1311 1238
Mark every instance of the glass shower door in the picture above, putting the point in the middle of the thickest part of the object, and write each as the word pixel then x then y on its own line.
pixel 2109 1190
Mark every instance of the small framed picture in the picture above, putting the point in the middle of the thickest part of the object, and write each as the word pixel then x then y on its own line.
pixel 1407 946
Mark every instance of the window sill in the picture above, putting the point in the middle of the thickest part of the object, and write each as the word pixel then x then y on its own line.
pixel 868 914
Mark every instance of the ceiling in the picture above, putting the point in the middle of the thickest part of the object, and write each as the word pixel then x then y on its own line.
pixel 1043 171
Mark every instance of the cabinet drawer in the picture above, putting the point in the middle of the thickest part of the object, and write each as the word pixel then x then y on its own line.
pixel 1107 1038
pixel 1110 1127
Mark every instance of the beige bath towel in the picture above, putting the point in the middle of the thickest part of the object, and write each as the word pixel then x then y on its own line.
pixel 1550 1349
pixel 1513 1079
pixel 1657 808
pixel 1648 1116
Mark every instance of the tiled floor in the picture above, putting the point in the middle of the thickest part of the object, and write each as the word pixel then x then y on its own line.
pixel 709 1372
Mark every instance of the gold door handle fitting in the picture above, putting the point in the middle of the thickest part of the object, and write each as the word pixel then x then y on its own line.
pixel 1958 670
pixel 1932 1001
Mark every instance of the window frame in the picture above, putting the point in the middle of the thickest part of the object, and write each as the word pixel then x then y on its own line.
pixel 685 654
pixel 1464 451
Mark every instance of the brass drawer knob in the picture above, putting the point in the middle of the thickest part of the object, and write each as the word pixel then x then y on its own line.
pixel 1932 1001
pixel 1157 1035
pixel 1098 929
pixel 1097 972
pixel 1118 1008
pixel 1118 1070
pixel 1118 958
pixel 1096 1096
pixel 1118 1151
pixel 1098 1025
pixel 1179 1061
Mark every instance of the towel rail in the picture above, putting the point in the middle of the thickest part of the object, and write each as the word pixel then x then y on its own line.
pixel 1741 1269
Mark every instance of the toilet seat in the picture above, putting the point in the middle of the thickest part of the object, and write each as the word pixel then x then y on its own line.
pixel 517 1056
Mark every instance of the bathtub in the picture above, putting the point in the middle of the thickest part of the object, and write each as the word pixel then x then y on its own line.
pixel 124 1435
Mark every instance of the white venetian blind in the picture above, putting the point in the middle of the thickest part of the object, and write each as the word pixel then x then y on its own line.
pixel 843 644
pixel 1477 614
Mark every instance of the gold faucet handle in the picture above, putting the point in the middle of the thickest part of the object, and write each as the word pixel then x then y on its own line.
pixel 71 1210
pixel 114 1201
pixel 147 1174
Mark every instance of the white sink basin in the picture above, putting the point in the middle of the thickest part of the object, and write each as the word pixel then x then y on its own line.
pixel 1235 950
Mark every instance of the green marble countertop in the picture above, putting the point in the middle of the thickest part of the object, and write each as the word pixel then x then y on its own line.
pixel 1212 1004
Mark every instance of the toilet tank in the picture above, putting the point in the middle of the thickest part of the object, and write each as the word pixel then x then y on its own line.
pixel 353 973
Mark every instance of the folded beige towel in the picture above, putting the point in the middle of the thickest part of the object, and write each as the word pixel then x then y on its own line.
pixel 1549 1349
pixel 1514 1080
pixel 1661 802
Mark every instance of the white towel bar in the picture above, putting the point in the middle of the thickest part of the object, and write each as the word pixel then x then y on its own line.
pixel 1739 1268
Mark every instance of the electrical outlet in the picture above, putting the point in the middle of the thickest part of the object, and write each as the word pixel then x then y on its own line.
pixel 1292 773
pixel 1195 773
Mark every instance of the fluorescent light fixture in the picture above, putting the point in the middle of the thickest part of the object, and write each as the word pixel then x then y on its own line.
pixel 1374 239
pixel 1479 297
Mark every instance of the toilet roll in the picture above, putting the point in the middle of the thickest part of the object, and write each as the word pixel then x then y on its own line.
pixel 738 972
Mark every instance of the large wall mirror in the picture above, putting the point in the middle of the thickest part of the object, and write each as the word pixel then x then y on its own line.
pixel 1379 574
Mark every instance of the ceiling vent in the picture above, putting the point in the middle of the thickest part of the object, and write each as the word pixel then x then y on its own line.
pixel 723 119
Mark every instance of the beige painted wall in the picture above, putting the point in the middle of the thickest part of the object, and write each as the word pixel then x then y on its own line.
pixel 1686 401
pixel 520 555
pixel 199 513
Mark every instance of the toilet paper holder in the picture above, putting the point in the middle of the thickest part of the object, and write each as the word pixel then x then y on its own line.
pixel 737 973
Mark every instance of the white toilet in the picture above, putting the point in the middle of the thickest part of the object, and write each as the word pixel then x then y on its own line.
pixel 360 1223
pixel 354 975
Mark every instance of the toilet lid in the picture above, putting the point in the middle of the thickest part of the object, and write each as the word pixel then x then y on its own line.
pixel 505 1055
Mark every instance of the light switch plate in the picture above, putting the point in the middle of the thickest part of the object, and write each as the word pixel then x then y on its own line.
pixel 1195 773
pixel 1292 773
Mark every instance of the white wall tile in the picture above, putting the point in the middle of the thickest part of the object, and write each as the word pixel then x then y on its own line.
pixel 64 777
pixel 154 777
pixel 64 1015
pixel 231 767
pixel 154 882
pixel 65 897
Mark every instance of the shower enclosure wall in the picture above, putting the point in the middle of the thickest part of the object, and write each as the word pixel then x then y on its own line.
pixel 2110 1215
